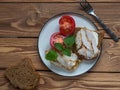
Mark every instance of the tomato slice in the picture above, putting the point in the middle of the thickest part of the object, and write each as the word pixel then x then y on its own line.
pixel 67 25
pixel 56 38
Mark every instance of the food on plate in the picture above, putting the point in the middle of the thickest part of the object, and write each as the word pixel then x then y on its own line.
pixel 56 38
pixel 68 62
pixel 67 25
pixel 23 75
pixel 71 45
pixel 63 55
pixel 88 43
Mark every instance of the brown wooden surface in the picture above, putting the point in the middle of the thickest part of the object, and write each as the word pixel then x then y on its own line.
pixel 28 20
pixel 88 81
pixel 12 50
pixel 20 24
pixel 58 1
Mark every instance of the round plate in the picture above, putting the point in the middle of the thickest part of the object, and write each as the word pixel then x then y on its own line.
pixel 51 26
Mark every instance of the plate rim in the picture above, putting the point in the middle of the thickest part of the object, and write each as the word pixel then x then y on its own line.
pixel 54 16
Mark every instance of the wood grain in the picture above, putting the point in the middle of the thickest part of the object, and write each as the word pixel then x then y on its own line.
pixel 88 81
pixel 12 50
pixel 58 0
pixel 27 19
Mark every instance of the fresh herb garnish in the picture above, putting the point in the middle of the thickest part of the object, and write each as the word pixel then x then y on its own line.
pixel 66 51
pixel 51 55
pixel 69 41
pixel 58 46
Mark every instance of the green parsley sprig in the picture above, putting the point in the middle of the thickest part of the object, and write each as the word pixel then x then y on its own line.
pixel 51 55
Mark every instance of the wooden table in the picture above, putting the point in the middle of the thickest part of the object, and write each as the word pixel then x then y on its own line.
pixel 20 24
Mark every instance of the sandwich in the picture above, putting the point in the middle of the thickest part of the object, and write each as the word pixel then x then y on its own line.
pixel 69 63
pixel 87 43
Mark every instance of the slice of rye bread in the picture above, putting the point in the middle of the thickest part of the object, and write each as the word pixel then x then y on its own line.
pixel 23 75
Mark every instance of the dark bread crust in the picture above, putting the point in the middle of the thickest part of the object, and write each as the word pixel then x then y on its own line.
pixel 101 36
pixel 23 75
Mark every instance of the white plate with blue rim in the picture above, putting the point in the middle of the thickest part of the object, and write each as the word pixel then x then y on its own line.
pixel 52 26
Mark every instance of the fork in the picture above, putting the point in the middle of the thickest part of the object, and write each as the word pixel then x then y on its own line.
pixel 88 9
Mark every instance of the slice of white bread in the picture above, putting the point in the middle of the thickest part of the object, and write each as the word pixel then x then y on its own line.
pixel 23 75
pixel 88 42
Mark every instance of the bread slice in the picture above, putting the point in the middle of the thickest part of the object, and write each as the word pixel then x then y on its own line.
pixel 101 36
pixel 80 43
pixel 69 63
pixel 23 75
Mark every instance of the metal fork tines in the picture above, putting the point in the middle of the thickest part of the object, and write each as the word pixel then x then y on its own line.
pixel 86 6
pixel 88 9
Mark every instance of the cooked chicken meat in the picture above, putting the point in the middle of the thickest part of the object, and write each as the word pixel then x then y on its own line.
pixel 67 62
pixel 87 43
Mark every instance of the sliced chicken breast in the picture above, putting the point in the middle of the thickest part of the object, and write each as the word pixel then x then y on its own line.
pixel 87 43
pixel 67 62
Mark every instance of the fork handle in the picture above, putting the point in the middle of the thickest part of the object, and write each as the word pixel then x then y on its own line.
pixel 111 33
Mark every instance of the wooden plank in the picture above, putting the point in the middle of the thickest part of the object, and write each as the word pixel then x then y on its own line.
pixel 88 81
pixel 27 19
pixel 58 1
pixel 110 57
pixel 12 50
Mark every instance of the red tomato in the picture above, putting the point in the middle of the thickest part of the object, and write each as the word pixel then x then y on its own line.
pixel 56 38
pixel 67 25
